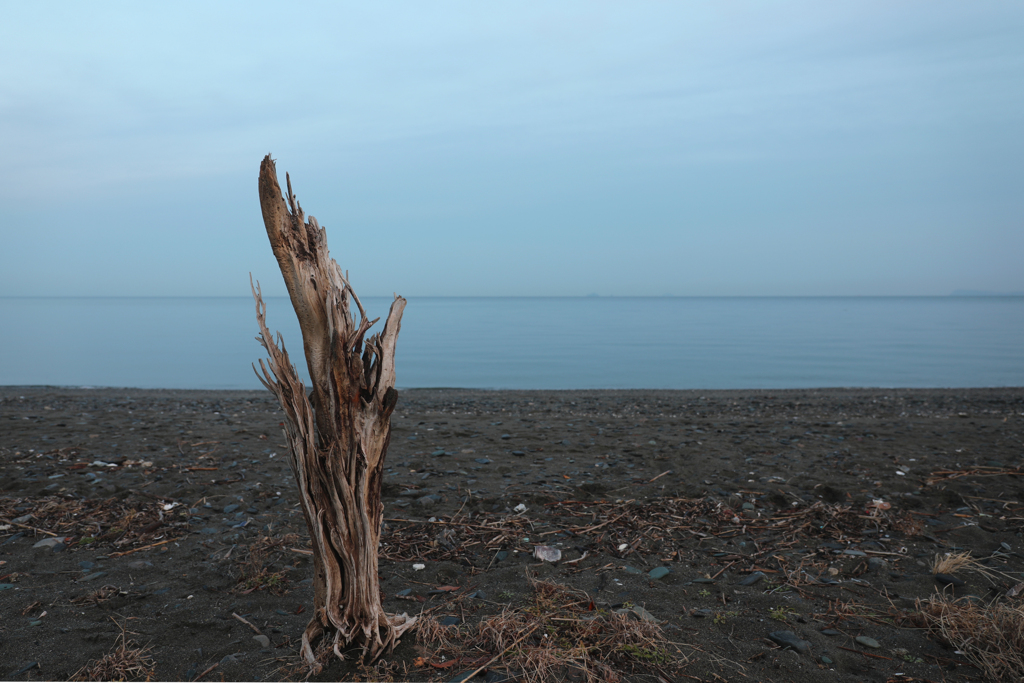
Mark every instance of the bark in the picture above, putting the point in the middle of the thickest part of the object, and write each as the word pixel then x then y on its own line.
pixel 339 434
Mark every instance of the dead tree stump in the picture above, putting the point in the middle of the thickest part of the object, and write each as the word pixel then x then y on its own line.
pixel 339 438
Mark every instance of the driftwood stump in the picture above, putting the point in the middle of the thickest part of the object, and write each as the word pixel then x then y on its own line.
pixel 339 438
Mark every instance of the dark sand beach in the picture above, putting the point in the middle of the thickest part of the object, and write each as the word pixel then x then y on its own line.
pixel 171 512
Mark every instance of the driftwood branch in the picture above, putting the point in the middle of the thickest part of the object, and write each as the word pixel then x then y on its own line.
pixel 339 434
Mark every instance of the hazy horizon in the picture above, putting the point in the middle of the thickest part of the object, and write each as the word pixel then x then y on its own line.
pixel 460 149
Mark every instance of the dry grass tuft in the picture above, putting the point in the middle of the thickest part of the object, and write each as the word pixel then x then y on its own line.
pixel 254 569
pixel 954 562
pixel 991 636
pixel 559 635
pixel 126 662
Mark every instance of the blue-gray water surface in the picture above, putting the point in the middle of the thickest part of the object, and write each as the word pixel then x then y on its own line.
pixel 539 343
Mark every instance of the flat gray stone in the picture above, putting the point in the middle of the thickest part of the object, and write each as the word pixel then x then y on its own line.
pixel 48 542
pixel 868 642
pixel 751 579
pixel 262 640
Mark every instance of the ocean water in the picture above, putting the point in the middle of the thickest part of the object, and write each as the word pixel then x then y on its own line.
pixel 538 343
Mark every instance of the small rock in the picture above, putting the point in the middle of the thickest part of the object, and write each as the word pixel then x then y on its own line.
pixel 230 659
pixel 482 461
pixel 948 580
pixel 659 573
pixel 877 564
pixel 830 632
pixel 868 642
pixel 500 555
pixel 751 579
pixel 518 454
pixel 506 436
pixel 825 659
pixel 48 542
pixel 86 565
pixel 450 621
pixel 426 501
pixel 93 576
pixel 748 506
pixel 854 553
pixel 790 640
pixel 632 570
pixel 701 613
pixel 22 520
pixel 262 640
pixel 140 564
pixel 228 509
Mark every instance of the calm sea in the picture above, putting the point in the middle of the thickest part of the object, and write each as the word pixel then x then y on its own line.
pixel 539 343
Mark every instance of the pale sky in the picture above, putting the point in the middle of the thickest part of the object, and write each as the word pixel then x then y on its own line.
pixel 506 149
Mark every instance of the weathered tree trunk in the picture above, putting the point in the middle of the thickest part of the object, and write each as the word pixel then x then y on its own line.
pixel 338 443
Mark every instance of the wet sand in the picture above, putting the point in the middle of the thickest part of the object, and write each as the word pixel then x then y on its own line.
pixel 155 500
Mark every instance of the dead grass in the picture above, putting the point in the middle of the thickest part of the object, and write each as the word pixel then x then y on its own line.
pixel 991 635
pixel 951 563
pixel 254 569
pixel 126 662
pixel 560 634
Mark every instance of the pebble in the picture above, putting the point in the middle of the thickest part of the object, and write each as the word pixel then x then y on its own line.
pixel 632 570
pixel 868 642
pixel 450 621
pixel 658 573
pixel 94 575
pixel 228 509
pixel 701 613
pixel 947 580
pixel 426 501
pixel 854 553
pixel 826 660
pixel 438 452
pixel 877 564
pixel 140 564
pixel 830 632
pixel 230 659
pixel 6 586
pixel 262 640
pixel 790 640
pixel 48 542
pixel 752 579
pixel 482 461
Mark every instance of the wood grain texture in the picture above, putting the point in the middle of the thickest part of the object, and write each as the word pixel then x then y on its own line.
pixel 338 434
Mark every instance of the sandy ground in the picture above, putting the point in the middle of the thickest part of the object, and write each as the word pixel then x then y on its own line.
pixel 169 512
